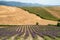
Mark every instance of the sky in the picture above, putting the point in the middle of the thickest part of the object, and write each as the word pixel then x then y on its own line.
pixel 44 2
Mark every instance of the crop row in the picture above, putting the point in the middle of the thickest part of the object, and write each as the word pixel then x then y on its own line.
pixel 27 30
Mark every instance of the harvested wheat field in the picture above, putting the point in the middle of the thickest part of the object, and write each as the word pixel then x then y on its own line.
pixel 55 11
pixel 13 16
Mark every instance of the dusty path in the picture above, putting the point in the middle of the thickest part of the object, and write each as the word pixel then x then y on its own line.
pixel 18 16
pixel 52 12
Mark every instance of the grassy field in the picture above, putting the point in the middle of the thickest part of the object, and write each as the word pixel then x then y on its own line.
pixel 40 12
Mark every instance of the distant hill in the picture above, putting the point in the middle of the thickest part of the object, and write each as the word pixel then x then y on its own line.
pixel 13 3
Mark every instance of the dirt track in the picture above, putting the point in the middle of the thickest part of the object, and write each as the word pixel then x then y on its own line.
pixel 14 15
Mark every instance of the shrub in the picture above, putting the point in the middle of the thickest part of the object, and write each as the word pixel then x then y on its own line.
pixel 58 24
pixel 58 21
pixel 37 23
pixel 51 25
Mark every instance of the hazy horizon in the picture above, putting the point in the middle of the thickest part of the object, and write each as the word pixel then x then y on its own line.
pixel 44 2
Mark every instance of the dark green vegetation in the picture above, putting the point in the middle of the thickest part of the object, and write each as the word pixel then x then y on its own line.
pixel 58 24
pixel 40 12
pixel 15 32
pixel 37 23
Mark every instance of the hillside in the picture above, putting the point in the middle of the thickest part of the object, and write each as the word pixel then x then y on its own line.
pixel 55 11
pixel 41 12
pixel 14 15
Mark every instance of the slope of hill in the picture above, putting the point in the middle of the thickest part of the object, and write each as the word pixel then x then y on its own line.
pixel 41 12
pixel 14 15
pixel 54 11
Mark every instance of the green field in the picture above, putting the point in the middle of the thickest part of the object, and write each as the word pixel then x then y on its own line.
pixel 40 12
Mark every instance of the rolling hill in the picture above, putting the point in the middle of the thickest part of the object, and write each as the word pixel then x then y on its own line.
pixel 18 16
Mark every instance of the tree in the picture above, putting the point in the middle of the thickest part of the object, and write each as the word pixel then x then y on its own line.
pixel 58 24
pixel 58 20
pixel 37 23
